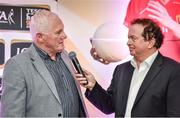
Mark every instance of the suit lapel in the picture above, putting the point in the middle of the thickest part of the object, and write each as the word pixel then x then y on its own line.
pixel 67 61
pixel 41 68
pixel 154 70
pixel 69 65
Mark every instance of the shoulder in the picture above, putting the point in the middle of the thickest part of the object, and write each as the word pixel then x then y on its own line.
pixel 170 62
pixel 167 65
pixel 124 65
pixel 20 59
pixel 20 56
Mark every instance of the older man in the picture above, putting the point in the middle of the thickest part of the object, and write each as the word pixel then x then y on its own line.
pixel 40 81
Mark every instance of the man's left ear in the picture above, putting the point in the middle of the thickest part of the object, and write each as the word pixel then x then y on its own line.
pixel 151 43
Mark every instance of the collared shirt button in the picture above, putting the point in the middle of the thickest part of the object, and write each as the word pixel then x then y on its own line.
pixel 59 115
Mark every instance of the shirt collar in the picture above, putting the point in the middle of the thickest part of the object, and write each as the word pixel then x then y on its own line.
pixel 148 61
pixel 44 55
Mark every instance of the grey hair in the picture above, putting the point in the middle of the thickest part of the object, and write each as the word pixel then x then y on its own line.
pixel 41 21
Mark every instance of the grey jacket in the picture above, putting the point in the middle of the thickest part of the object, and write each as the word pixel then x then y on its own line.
pixel 29 89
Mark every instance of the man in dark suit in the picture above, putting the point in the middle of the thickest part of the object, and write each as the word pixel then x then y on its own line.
pixel 147 85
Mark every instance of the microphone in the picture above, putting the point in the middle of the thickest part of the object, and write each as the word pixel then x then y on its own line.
pixel 77 66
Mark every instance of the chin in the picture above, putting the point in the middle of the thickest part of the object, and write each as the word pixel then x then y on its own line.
pixel 60 48
pixel 132 54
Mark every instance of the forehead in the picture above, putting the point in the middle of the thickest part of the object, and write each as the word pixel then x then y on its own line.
pixel 56 23
pixel 135 29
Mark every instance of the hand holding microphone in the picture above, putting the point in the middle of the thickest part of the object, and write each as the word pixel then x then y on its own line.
pixel 77 66
pixel 88 80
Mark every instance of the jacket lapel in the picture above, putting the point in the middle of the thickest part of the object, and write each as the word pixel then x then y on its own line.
pixel 69 65
pixel 67 61
pixel 41 68
pixel 154 70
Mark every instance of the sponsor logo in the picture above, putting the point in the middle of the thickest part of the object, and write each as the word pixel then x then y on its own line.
pixel 18 46
pixel 18 17
pixel 7 18
pixel 2 53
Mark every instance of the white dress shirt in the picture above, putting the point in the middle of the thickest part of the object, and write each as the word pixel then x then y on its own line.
pixel 137 79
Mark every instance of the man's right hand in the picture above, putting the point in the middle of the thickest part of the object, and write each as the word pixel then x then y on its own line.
pixel 95 56
pixel 88 81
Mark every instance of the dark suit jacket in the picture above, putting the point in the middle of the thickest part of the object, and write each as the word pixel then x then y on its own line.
pixel 157 96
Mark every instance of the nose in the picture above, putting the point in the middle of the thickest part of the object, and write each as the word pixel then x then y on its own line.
pixel 129 42
pixel 63 35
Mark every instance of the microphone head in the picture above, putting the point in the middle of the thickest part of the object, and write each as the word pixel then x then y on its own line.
pixel 72 54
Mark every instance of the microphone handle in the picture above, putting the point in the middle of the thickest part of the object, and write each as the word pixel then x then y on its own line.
pixel 78 66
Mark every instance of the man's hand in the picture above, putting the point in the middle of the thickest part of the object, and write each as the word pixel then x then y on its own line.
pixel 88 81
pixel 159 13
pixel 95 55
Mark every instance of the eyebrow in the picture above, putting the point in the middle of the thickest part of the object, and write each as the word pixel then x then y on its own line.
pixel 59 30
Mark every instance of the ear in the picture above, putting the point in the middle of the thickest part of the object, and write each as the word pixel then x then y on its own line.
pixel 151 43
pixel 39 37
